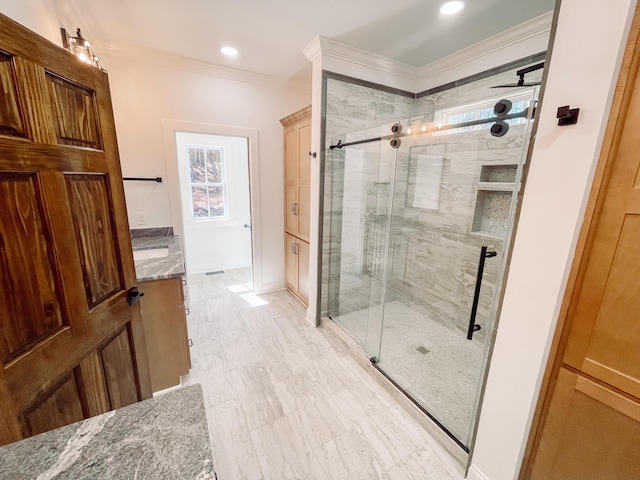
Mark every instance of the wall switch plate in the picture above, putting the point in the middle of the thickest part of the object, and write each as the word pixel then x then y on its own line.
pixel 141 218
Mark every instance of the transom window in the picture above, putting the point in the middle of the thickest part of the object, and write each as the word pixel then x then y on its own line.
pixel 479 111
pixel 208 182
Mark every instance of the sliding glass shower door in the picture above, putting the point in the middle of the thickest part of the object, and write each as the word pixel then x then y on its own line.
pixel 435 215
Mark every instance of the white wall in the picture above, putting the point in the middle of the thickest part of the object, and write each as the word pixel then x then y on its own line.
pixel 38 15
pixel 144 94
pixel 585 61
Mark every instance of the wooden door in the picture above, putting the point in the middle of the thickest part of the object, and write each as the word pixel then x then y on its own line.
pixel 70 345
pixel 304 179
pixel 590 416
pixel 303 271
pixel 291 262
pixel 291 206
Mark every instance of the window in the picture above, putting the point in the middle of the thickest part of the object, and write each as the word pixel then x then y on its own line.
pixel 480 110
pixel 208 182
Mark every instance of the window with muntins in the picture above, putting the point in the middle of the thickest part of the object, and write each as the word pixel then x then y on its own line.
pixel 207 181
pixel 479 111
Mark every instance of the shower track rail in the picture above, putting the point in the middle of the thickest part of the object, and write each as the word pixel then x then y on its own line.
pixel 522 114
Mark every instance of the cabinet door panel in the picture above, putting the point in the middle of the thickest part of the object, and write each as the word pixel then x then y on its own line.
pixel 290 179
pixel 291 263
pixel 303 271
pixel 594 433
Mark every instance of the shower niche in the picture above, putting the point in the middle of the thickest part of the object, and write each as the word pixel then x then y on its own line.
pixel 496 186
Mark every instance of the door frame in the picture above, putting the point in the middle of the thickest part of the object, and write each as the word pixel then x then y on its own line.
pixel 169 130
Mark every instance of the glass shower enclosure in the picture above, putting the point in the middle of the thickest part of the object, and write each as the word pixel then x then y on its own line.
pixel 418 247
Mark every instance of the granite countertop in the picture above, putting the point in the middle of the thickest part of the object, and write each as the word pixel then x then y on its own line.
pixel 161 438
pixel 171 266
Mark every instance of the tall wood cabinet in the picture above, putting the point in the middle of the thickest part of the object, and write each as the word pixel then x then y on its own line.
pixel 297 194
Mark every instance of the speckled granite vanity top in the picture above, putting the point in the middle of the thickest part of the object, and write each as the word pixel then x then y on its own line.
pixel 169 266
pixel 157 439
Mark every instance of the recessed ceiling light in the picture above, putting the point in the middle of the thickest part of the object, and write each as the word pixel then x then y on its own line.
pixel 229 51
pixel 450 8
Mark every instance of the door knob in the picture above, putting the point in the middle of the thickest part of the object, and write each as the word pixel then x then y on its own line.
pixel 246 225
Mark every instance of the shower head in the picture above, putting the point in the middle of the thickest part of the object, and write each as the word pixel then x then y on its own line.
pixel 521 73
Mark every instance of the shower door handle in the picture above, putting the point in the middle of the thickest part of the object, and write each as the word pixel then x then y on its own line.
pixel 473 327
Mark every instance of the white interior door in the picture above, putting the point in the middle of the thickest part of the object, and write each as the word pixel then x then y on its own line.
pixel 215 198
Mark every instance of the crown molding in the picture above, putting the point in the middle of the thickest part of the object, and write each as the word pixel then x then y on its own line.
pixel 313 50
pixel 330 48
pixel 537 26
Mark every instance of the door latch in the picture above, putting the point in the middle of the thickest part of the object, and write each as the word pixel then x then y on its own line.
pixel 134 295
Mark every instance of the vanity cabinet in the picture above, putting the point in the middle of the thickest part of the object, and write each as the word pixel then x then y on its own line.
pixel 297 195
pixel 165 329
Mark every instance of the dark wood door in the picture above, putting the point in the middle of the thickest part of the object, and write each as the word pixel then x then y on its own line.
pixel 70 345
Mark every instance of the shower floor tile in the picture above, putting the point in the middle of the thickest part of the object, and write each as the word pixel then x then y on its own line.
pixel 444 380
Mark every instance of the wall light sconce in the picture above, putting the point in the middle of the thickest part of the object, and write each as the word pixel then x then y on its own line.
pixel 80 47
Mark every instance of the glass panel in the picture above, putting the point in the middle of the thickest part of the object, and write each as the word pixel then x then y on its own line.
pixel 359 179
pixel 196 164
pixel 408 226
pixel 214 166
pixel 216 201
pixel 452 195
pixel 200 202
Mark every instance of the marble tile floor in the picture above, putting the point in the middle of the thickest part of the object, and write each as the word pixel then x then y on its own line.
pixel 444 380
pixel 285 400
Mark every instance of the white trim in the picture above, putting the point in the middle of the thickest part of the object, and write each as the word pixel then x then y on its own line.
pixel 539 26
pixel 476 474
pixel 269 288
pixel 169 129
pixel 310 316
pixel 182 63
pixel 340 51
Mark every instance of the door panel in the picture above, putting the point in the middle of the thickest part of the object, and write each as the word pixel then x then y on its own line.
pixel 593 432
pixel 30 307
pixel 92 377
pixel 121 381
pixel 75 113
pixel 291 260
pixel 71 346
pixel 10 115
pixel 90 202
pixel 291 179
pixel 303 270
pixel 615 339
pixel 61 407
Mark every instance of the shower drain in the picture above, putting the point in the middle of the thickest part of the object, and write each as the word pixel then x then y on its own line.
pixel 422 350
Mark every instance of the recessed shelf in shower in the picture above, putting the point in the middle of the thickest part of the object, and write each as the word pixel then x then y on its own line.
pixel 493 200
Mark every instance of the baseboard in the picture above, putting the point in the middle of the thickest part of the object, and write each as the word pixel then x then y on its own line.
pixel 311 318
pixel 476 474
pixel 268 288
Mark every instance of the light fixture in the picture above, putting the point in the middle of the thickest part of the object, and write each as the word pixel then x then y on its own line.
pixel 450 8
pixel 80 47
pixel 229 51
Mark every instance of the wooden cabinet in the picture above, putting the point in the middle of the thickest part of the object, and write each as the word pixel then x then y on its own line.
pixel 297 267
pixel 165 329
pixel 297 195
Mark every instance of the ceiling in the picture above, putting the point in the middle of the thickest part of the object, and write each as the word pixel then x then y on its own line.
pixel 271 34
